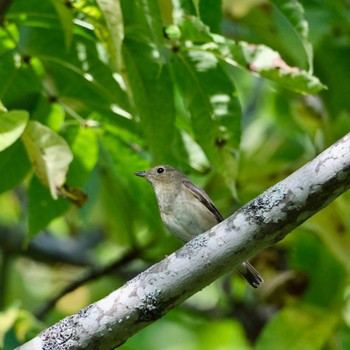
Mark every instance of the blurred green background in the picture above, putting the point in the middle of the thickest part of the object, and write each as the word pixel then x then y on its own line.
pixel 238 94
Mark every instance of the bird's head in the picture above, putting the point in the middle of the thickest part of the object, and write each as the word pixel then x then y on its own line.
pixel 161 175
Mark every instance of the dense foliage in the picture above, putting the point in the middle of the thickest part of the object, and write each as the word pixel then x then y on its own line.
pixel 237 94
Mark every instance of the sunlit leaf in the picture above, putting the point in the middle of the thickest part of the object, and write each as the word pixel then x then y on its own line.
pixel 12 124
pixel 149 77
pixel 172 32
pixel 222 334
pixel 194 30
pixel 114 19
pixel 153 93
pixel 258 59
pixel 211 98
pixel 99 89
pixel 142 18
pixel 49 154
pixel 6 38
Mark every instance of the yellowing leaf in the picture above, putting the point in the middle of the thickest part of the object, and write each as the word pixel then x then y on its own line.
pixel 12 125
pixel 50 155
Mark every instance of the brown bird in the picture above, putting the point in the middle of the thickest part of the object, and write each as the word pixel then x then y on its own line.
pixel 187 211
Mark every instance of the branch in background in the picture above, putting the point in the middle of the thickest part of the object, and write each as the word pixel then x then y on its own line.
pixel 264 221
pixel 48 248
pixel 4 262
pixel 4 5
pixel 91 275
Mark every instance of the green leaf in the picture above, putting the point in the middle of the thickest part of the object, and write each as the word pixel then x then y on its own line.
pixel 118 163
pixel 265 62
pixel 222 334
pixel 211 14
pixel 142 18
pixel 332 62
pixel 309 251
pixel 112 13
pixel 20 88
pixel 43 13
pixel 149 78
pixel 14 166
pixel 12 125
pixel 194 29
pixel 196 5
pixel 154 101
pixel 295 15
pixel 7 33
pixel 211 98
pixel 42 209
pixel 85 151
pixel 186 7
pixel 49 154
pixel 299 327
pixel 8 318
pixel 258 59
pixel 66 18
pixel 99 90
pixel 326 226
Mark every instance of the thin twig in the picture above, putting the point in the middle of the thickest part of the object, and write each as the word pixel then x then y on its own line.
pixel 91 275
pixel 4 266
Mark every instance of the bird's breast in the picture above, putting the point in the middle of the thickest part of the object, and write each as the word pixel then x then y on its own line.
pixel 185 216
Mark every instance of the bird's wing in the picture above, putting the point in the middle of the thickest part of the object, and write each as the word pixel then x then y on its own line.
pixel 203 198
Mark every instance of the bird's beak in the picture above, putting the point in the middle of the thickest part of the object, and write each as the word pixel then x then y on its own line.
pixel 141 173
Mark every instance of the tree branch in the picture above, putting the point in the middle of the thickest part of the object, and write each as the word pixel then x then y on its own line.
pixel 262 222
pixel 49 249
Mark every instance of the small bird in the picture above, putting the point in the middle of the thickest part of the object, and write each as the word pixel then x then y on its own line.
pixel 187 211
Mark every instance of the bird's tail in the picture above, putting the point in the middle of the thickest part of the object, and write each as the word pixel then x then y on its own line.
pixel 250 274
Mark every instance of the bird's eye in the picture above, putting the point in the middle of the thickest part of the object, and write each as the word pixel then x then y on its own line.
pixel 160 170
